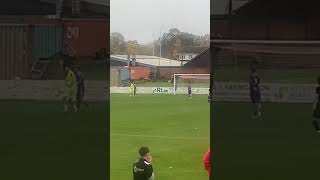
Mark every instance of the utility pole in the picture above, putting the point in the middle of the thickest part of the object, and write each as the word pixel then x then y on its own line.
pixel 160 43
pixel 59 7
pixel 160 48
pixel 152 44
pixel 76 7
pixel 230 8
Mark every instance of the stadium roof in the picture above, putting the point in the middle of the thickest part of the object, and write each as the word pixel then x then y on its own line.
pixel 149 61
pixel 280 8
pixel 202 60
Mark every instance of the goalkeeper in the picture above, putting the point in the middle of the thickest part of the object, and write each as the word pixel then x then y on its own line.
pixel 70 90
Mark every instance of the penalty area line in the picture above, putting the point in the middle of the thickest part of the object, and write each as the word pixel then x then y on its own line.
pixel 164 137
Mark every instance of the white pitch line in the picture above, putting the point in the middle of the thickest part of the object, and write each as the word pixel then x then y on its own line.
pixel 165 137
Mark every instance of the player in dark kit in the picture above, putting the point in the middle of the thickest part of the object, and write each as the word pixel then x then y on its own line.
pixel 142 169
pixel 210 96
pixel 134 89
pixel 189 90
pixel 80 88
pixel 316 109
pixel 255 94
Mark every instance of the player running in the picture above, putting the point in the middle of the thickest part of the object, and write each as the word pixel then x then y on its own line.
pixel 316 109
pixel 70 90
pixel 189 90
pixel 255 94
pixel 142 169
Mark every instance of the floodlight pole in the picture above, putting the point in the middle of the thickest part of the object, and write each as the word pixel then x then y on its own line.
pixel 160 48
pixel 152 44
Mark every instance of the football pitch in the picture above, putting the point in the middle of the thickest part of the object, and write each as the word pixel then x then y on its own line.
pixel 280 145
pixel 39 141
pixel 42 142
pixel 176 131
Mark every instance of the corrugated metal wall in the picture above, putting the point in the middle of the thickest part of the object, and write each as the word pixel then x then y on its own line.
pixel 253 28
pixel 248 29
pixel 313 29
pixel 114 77
pixel 167 72
pixel 124 74
pixel 287 30
pixel 137 73
pixel 85 37
pixel 15 51
pixel 47 40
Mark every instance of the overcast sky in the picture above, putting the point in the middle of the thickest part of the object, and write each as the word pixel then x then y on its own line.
pixel 139 19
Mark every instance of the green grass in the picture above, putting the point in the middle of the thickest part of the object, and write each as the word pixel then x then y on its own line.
pixel 280 145
pixel 267 75
pixel 39 141
pixel 161 120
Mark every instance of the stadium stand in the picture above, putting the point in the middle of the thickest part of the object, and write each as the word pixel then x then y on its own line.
pixel 269 20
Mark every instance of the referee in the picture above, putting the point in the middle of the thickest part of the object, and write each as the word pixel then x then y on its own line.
pixel 142 169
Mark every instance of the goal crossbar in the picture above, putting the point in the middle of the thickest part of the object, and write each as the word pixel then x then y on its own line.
pixel 186 75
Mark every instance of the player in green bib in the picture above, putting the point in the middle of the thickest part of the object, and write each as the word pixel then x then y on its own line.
pixel 132 89
pixel 70 90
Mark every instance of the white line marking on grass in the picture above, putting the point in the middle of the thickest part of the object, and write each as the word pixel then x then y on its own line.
pixel 175 172
pixel 164 137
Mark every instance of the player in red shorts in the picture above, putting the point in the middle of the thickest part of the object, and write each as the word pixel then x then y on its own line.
pixel 206 161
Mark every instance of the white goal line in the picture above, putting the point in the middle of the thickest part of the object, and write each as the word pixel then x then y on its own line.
pixel 164 137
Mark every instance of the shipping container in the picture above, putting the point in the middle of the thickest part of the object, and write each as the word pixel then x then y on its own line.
pixel 124 74
pixel 29 19
pixel 86 37
pixel 15 51
pixel 137 73
pixel 249 29
pixel 313 29
pixel 41 20
pixel 220 29
pixel 47 40
pixel 114 77
pixel 287 30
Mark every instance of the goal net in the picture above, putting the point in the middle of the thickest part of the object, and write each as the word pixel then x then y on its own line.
pixel 288 69
pixel 199 83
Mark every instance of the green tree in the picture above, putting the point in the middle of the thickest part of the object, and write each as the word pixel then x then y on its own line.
pixel 117 43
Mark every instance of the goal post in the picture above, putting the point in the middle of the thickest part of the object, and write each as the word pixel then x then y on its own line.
pixel 197 80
